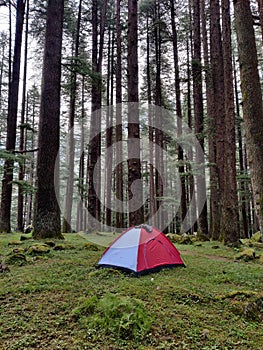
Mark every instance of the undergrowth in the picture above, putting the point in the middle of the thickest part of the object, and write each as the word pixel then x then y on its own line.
pixel 59 300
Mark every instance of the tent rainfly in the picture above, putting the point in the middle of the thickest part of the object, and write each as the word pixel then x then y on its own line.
pixel 140 250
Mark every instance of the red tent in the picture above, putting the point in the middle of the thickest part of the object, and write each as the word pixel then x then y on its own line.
pixel 141 249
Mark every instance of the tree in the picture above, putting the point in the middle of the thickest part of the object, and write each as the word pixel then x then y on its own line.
pixel 252 100
pixel 136 211
pixel 5 215
pixel 94 180
pixel 66 226
pixel 260 9
pixel 217 126
pixel 199 120
pixel 46 220
pixel 119 167
pixel 183 206
pixel 229 219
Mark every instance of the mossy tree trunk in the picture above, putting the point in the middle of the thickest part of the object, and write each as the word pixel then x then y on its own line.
pixel 47 212
pixel 252 100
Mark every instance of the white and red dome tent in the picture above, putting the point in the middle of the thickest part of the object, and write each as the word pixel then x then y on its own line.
pixel 141 249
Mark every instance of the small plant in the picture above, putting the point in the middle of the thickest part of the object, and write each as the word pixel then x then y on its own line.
pixel 124 317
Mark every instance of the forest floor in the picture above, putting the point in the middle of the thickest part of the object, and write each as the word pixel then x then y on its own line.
pixel 59 300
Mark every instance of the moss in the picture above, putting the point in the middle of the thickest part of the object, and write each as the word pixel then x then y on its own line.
pixel 62 246
pixel 91 247
pixel 38 249
pixel 15 242
pixel 16 259
pixel 247 254
pixel 256 237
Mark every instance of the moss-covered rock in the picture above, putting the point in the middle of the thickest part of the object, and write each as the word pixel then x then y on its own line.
pixel 62 246
pixel 19 250
pixel 256 237
pixel 16 259
pixel 180 239
pixel 246 254
pixel 50 243
pixel 38 249
pixel 15 242
pixel 91 246
pixel 25 238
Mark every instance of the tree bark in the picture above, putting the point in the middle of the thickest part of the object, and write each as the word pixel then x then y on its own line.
pixel 20 201
pixel 119 167
pixel 252 100
pixel 199 121
pixel 260 10
pixel 47 212
pixel 6 199
pixel 230 219
pixel 135 194
pixel 66 226
pixel 217 126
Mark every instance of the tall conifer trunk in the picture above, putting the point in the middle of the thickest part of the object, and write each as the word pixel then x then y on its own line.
pixel 217 118
pixel 230 219
pixel 135 195
pixel 252 100
pixel 119 167
pixel 66 226
pixel 47 212
pixel 199 121
pixel 6 199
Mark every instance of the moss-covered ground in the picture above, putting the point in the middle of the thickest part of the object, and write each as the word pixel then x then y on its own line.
pixel 59 300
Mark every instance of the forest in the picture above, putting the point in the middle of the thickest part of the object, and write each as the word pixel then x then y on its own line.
pixel 118 113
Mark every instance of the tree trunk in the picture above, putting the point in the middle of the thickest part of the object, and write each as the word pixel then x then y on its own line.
pixel 135 194
pixel 66 226
pixel 159 185
pixel 183 206
pixel 119 167
pixel 252 100
pixel 229 219
pixel 47 212
pixel 217 127
pixel 20 204
pixel 243 198
pixel 6 199
pixel 151 129
pixel 199 121
pixel 94 180
pixel 260 10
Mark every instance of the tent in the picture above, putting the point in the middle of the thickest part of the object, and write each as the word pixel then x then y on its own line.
pixel 141 249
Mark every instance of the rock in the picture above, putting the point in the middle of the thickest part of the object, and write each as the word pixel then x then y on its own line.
pixel 256 237
pixel 186 239
pixel 38 249
pixel 247 254
pixel 4 268
pixel 18 250
pixel 91 247
pixel 28 229
pixel 24 238
pixel 50 243
pixel 15 242
pixel 16 259
pixel 63 246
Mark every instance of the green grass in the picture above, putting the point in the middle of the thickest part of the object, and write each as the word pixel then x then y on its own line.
pixel 60 301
